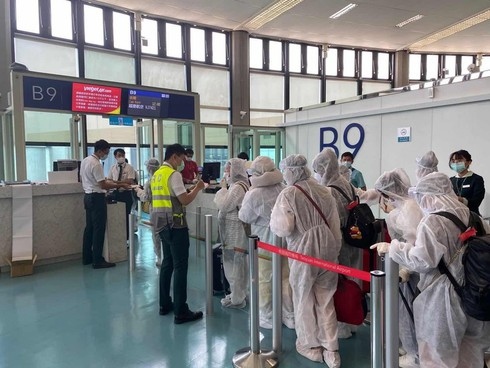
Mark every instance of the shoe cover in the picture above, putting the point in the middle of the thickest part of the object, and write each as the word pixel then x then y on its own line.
pixel 226 300
pixel 314 354
pixel 332 358
pixel 344 331
pixel 408 361
pixel 236 306
pixel 288 322
pixel 265 323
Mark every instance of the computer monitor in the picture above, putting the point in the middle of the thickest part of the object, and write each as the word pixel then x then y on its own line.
pixel 67 165
pixel 211 171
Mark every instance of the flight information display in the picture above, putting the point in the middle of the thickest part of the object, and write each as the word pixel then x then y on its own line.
pixel 96 99
pixel 148 104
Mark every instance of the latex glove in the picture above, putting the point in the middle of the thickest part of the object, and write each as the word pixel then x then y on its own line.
pixel 223 183
pixel 138 191
pixel 404 275
pixel 382 247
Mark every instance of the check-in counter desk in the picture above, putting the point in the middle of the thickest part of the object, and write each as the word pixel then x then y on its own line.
pixel 58 225
pixel 202 205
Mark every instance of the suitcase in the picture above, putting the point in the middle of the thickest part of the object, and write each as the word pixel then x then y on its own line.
pixel 220 283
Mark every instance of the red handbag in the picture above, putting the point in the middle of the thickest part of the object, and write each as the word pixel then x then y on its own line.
pixel 350 302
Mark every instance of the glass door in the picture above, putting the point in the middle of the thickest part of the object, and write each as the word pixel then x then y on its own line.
pixel 255 141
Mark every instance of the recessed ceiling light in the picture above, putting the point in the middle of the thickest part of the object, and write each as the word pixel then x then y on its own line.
pixel 409 20
pixel 341 12
pixel 270 13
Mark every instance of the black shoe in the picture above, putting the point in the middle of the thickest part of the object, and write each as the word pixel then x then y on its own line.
pixel 166 310
pixel 103 264
pixel 188 317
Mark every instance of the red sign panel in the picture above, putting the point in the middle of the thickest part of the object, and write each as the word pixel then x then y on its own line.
pixel 96 99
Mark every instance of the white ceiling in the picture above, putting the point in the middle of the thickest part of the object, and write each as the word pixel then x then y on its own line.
pixel 371 24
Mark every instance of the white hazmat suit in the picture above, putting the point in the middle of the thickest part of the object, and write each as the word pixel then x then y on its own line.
pixel 267 183
pixel 296 219
pixel 404 215
pixel 446 336
pixel 232 233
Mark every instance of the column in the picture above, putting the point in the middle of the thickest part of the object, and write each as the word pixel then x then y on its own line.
pixel 240 79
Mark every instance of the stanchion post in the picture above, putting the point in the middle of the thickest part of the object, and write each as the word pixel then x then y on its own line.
pixel 131 242
pixel 198 231
pixel 377 323
pixel 209 265
pixel 277 298
pixel 252 357
pixel 392 320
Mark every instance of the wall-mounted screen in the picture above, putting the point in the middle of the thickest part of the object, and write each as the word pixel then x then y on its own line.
pixel 96 99
pixel 147 103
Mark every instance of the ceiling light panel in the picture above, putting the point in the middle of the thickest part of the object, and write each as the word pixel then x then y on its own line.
pixel 343 11
pixel 271 13
pixel 409 20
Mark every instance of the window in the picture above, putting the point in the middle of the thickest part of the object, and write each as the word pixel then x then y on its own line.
pixel 27 15
pixel 122 31
pixel 485 63
pixel 275 55
pixel 61 16
pixel 94 25
pixel 432 67
pixel 219 48
pixel 295 58
pixel 367 64
pixel 256 53
pixel 197 45
pixel 383 65
pixel 349 63
pixel 173 39
pixel 331 62
pixel 414 61
pixel 465 63
pixel 149 36
pixel 312 60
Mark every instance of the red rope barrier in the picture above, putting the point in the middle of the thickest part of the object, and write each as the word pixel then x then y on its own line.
pixel 329 266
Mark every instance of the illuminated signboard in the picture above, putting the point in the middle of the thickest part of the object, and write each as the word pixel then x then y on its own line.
pixel 96 99
pixel 148 103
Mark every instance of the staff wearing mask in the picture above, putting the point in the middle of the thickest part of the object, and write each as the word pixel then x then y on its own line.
pixel 121 171
pixel 95 186
pixel 356 178
pixel 189 174
pixel 468 186
pixel 447 337
pixel 232 232
pixel 145 195
pixel 256 210
pixel 168 219
pixel 296 218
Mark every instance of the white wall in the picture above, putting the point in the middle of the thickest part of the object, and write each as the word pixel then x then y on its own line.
pixel 457 117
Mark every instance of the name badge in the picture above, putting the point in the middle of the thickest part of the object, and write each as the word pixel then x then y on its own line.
pixel 466 186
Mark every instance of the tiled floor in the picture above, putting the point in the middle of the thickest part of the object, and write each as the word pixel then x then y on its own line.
pixel 69 315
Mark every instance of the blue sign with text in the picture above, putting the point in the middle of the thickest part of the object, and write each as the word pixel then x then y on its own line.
pixel 120 120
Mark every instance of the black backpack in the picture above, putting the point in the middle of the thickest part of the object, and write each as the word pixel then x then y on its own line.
pixel 361 228
pixel 475 293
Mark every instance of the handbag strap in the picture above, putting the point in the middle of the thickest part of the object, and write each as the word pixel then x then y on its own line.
pixel 354 197
pixel 313 203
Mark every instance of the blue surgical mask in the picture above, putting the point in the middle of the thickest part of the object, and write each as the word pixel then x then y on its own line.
pixel 181 166
pixel 347 164
pixel 458 166
pixel 104 157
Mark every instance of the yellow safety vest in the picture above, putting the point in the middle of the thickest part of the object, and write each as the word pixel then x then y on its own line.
pixel 162 201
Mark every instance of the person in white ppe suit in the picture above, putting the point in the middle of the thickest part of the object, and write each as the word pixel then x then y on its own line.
pixel 267 183
pixel 295 218
pixel 446 336
pixel 426 165
pixel 144 195
pixel 404 215
pixel 232 233
pixel 326 165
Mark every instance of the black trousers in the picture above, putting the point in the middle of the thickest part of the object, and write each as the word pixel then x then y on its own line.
pixel 175 261
pixel 126 197
pixel 96 220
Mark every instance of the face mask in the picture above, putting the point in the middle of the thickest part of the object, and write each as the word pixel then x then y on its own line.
pixel 181 166
pixel 458 166
pixel 188 158
pixel 121 160
pixel 104 157
pixel 347 164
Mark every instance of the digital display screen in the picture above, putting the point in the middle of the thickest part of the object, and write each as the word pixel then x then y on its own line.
pixel 96 99
pixel 148 103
